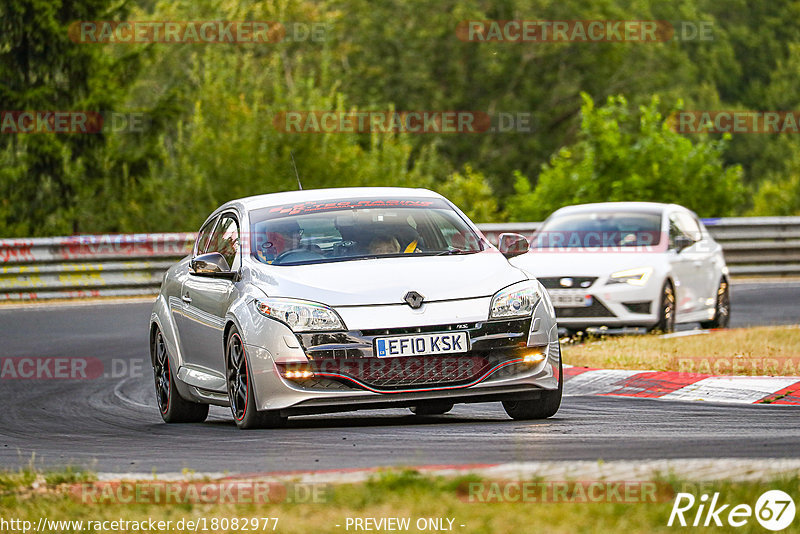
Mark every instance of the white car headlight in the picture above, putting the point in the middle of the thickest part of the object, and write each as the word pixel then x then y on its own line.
pixel 634 277
pixel 300 315
pixel 518 300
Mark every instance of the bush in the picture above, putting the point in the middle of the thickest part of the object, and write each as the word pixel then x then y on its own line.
pixel 626 156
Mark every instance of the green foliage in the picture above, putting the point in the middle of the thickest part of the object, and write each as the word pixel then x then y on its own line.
pixel 210 109
pixel 472 194
pixel 621 155
pixel 229 146
pixel 779 195
pixel 64 183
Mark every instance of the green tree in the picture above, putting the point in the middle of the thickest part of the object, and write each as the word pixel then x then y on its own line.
pixel 210 135
pixel 779 195
pixel 472 194
pixel 49 182
pixel 227 143
pixel 627 156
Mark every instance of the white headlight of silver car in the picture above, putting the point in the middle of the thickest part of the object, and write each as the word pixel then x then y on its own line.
pixel 300 316
pixel 518 300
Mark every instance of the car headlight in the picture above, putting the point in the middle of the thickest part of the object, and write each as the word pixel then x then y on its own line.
pixel 518 300
pixel 299 315
pixel 634 277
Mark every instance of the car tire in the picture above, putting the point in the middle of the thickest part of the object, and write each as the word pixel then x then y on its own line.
pixel 173 407
pixel 240 388
pixel 666 312
pixel 722 307
pixel 542 408
pixel 432 408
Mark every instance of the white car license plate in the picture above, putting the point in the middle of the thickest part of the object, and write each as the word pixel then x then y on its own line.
pixel 422 344
pixel 570 300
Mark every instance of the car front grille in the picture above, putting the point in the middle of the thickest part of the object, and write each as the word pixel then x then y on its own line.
pixel 417 371
pixel 419 329
pixel 595 310
pixel 347 358
pixel 411 372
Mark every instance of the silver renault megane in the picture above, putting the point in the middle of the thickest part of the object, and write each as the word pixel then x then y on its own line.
pixel 333 300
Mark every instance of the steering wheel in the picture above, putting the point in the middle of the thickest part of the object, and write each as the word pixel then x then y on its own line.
pixel 297 254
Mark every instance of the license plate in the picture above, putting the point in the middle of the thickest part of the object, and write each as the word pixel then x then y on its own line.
pixel 570 300
pixel 422 344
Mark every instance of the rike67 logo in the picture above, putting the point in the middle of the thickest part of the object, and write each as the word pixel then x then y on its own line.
pixel 774 510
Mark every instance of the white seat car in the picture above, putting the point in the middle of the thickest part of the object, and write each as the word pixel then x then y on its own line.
pixel 622 264
pixel 343 299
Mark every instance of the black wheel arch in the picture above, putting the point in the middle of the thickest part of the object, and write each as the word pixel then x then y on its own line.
pixel 227 331
pixel 153 329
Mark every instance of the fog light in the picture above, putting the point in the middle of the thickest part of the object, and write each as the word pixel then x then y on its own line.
pixel 297 372
pixel 536 356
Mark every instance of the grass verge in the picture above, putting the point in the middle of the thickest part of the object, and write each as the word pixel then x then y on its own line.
pixel 761 351
pixel 392 494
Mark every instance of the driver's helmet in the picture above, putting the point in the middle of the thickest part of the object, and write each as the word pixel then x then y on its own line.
pixel 279 237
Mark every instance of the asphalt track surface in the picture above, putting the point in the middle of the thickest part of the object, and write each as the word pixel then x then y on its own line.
pixel 112 425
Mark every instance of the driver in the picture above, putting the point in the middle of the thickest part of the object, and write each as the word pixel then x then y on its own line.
pixel 281 236
pixel 384 244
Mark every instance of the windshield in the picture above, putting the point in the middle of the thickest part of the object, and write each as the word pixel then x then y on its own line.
pixel 593 230
pixel 350 229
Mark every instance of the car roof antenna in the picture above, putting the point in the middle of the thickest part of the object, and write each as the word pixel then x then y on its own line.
pixel 299 185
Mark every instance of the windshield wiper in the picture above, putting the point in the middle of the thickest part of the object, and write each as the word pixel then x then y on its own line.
pixel 454 251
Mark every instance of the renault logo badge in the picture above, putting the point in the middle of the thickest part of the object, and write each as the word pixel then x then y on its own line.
pixel 414 299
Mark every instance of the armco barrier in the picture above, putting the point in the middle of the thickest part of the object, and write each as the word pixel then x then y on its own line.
pixel 134 264
pixel 88 266
pixel 753 246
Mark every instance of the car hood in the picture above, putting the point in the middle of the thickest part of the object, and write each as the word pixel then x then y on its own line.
pixel 387 280
pixel 545 264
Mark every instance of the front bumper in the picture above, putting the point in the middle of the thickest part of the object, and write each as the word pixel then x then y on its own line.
pixel 347 361
pixel 493 393
pixel 611 305
pixel 347 375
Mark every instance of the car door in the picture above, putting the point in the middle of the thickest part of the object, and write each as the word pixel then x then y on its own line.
pixel 206 299
pixel 683 269
pixel 699 256
pixel 176 304
pixel 712 262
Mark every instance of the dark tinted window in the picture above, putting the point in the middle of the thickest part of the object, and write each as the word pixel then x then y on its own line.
pixel 341 230
pixel 203 236
pixel 599 229
pixel 225 240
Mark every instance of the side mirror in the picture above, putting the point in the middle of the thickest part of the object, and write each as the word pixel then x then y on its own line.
pixel 511 245
pixel 682 241
pixel 212 264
